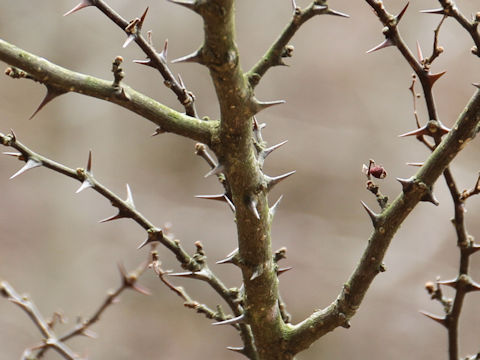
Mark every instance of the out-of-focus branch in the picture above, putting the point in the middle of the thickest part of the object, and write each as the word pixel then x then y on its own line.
pixel 280 48
pixel 59 80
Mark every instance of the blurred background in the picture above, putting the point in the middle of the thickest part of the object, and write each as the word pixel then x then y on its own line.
pixel 343 108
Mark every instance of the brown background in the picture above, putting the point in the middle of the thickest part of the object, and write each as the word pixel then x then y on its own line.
pixel 343 107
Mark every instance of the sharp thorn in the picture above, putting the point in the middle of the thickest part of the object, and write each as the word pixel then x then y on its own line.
pixel 80 6
pixel 114 217
pixel 158 131
pixel 14 137
pixel 219 197
pixel 234 320
pixel 432 78
pixel 274 208
pixel 130 38
pixel 269 150
pixel 419 52
pixel 337 13
pixel 230 203
pixel 230 258
pixel 417 164
pixel 30 164
pixel 452 283
pixel 239 350
pixel 85 185
pixel 195 57
pixel 217 170
pixel 281 271
pixel 192 5
pixel 386 43
pixel 153 235
pixel 272 181
pixel 252 205
pixel 14 154
pixel 262 105
pixel 477 85
pixel 146 62
pixel 373 216
pixel 129 199
pixel 202 274
pixel 417 132
pixel 89 162
pixel 438 319
pixel 429 197
pixel 164 52
pixel 51 94
pixel 406 183
pixel 258 272
pixel 400 15
pixel 142 18
pixel 433 11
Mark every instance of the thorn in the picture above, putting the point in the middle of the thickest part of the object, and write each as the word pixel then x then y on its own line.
pixel 269 150
pixel 440 320
pixel 283 270
pixel 202 274
pixel 274 208
pixel 51 94
pixel 120 215
pixel 129 199
pixel 195 57
pixel 14 136
pixel 260 105
pixel 419 52
pixel 258 272
pixel 240 350
pixel 230 258
pixel 432 78
pixel 429 197
pixel 252 205
pixel 142 18
pixel 14 154
pixel 417 132
pixel 373 216
pixel 89 333
pixel 30 164
pixel 89 162
pixel 164 52
pixel 130 38
pixel 141 289
pixel 406 184
pixel 272 181
pixel 147 62
pixel 154 234
pixel 192 5
pixel 433 11
pixel 158 131
pixel 85 185
pixel 418 164
pixel 80 6
pixel 477 85
pixel 295 8
pixel 452 283
pixel 217 170
pixel 220 197
pixel 337 13
pixel 386 43
pixel 400 15
pixel 234 320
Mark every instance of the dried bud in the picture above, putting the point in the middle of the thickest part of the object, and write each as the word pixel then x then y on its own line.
pixel 430 287
pixel 378 172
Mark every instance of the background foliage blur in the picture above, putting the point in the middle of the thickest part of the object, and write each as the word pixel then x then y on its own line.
pixel 343 107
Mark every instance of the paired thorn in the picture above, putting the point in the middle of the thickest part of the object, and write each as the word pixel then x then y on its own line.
pixel 439 319
pixel 51 94
pixel 80 6
pixel 195 57
pixel 386 43
pixel 134 28
pixel 122 213
pixel 430 128
pixel 373 216
pixel 272 181
pixel 235 320
pixel 30 164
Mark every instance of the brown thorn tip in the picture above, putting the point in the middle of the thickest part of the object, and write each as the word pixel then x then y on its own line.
pixel 89 162
pixel 433 11
pixel 51 94
pixel 262 105
pixel 400 15
pixel 386 43
pixel 440 320
pixel 80 6
pixel 234 320
pixel 30 164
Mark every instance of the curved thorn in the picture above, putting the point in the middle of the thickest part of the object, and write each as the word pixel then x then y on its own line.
pixel 230 258
pixel 272 181
pixel 337 13
pixel 429 197
pixel 234 320
pixel 51 94
pixel 400 15
pixel 195 57
pixel 80 6
pixel 373 216
pixel 240 350
pixel 386 43
pixel 30 164
pixel 120 215
pixel 438 319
